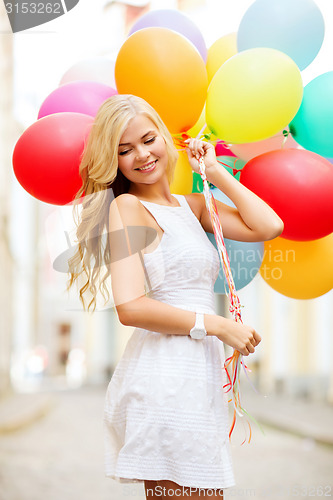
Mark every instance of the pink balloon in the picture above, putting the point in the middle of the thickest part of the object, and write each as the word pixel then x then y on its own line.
pixel 250 150
pixel 222 150
pixel 94 69
pixel 76 97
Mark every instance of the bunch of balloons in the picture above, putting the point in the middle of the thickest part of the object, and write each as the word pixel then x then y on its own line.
pixel 245 94
pixel 47 156
pixel 296 180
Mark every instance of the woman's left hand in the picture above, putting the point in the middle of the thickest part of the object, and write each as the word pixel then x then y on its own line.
pixel 195 149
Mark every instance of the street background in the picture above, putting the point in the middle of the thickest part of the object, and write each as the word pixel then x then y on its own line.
pixel 56 361
pixel 60 454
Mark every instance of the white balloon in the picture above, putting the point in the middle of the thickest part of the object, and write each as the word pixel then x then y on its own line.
pixel 250 150
pixel 96 69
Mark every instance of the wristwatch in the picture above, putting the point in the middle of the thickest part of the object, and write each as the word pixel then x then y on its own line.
pixel 198 332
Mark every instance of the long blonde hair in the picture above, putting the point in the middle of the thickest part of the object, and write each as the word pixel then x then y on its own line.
pixel 101 182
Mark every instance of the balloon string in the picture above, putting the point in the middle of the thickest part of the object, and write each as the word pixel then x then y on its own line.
pixel 233 364
pixel 234 169
pixel 201 131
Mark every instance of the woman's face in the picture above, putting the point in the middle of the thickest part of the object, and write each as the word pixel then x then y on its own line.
pixel 142 153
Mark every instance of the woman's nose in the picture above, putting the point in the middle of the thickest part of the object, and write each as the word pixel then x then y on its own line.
pixel 142 152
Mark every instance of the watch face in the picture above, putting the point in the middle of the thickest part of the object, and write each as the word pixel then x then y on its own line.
pixel 197 334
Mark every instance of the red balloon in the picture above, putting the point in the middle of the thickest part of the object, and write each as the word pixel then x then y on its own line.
pixel 298 185
pixel 47 156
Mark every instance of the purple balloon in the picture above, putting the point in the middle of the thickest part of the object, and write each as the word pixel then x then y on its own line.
pixel 77 97
pixel 173 20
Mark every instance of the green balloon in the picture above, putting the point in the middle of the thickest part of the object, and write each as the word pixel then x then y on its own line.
pixel 197 186
pixel 312 126
pixel 231 164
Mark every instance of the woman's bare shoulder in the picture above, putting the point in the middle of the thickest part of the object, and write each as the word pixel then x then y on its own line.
pixel 196 202
pixel 126 198
pixel 128 208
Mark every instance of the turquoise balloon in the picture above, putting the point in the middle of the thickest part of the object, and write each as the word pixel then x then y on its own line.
pixel 295 27
pixel 312 126
pixel 245 257
pixel 245 260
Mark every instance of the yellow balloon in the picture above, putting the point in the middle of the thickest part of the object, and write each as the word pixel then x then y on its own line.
pixel 253 96
pixel 200 127
pixel 299 269
pixel 183 179
pixel 221 50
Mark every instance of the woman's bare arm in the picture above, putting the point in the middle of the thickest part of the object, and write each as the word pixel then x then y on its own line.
pixel 154 315
pixel 252 220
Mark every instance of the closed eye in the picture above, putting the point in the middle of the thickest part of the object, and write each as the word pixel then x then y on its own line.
pixel 149 141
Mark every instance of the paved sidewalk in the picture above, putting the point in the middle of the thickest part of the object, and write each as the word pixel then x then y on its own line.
pixel 300 417
pixel 60 456
pixel 20 410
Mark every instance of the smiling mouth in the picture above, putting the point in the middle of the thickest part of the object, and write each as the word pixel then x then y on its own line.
pixel 149 166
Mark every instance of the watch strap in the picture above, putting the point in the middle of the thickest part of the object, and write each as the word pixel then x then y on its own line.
pixel 199 321
pixel 199 327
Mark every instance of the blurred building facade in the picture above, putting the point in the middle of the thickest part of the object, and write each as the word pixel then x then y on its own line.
pixel 7 137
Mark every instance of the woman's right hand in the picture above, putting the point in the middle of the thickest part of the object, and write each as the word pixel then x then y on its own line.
pixel 241 337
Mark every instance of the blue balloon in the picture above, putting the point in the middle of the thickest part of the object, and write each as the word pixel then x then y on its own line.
pixel 219 195
pixel 245 257
pixel 295 27
pixel 245 260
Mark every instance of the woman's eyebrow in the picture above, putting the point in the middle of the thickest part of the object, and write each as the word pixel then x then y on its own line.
pixel 145 135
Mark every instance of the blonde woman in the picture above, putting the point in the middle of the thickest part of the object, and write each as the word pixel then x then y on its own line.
pixel 166 419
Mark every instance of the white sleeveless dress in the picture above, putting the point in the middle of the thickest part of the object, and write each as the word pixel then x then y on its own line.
pixel 166 414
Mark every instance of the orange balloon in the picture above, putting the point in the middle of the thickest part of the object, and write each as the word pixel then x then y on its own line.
pixel 166 70
pixel 299 269
pixel 183 179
